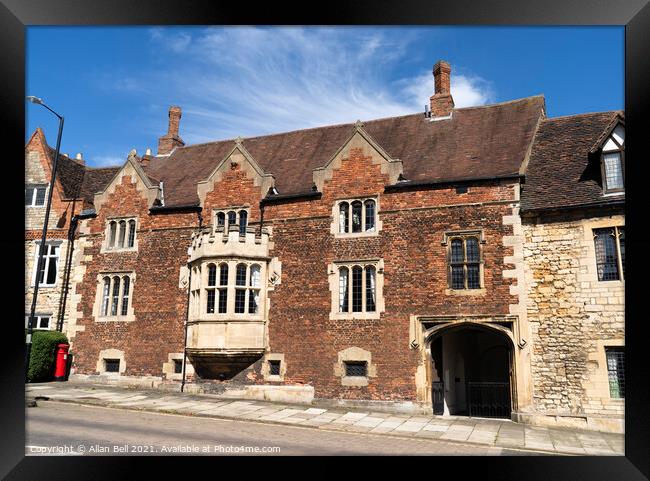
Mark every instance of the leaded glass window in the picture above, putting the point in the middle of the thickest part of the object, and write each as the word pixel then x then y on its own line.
pixel 465 262
pixel 343 289
pixel 357 288
pixel 370 289
pixel 243 219
pixel 116 295
pixel 370 215
pixel 131 233
pixel 125 295
pixel 357 216
pixel 106 296
pixel 616 371
pixel 356 368
pixel 609 244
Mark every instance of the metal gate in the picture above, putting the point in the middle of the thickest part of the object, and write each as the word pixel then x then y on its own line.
pixel 488 399
pixel 438 396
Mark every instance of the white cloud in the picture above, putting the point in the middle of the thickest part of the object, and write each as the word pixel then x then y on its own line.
pixel 107 161
pixel 251 81
pixel 466 91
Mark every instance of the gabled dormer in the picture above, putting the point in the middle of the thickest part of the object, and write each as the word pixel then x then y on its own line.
pixel 610 149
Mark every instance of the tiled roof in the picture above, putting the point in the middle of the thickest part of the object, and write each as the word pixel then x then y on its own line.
pixel 95 180
pixel 561 172
pixel 70 173
pixel 486 141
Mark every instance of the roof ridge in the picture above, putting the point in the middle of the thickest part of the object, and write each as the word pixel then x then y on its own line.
pixel 584 114
pixel 279 133
pixel 341 124
pixel 502 103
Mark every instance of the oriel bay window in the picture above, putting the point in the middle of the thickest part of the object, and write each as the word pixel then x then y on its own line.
pixel 357 289
pixel 357 216
pixel 239 282
pixel 114 296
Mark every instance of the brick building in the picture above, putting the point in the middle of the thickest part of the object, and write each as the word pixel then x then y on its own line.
pixel 73 178
pixel 382 263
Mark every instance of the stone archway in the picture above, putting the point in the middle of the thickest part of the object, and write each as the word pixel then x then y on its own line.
pixel 472 369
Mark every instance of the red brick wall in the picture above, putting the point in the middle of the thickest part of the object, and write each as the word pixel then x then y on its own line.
pixel 159 304
pixel 414 278
pixel 299 325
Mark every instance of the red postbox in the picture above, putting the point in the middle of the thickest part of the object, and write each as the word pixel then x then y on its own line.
pixel 61 364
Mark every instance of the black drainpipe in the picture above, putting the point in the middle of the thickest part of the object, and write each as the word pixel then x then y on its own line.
pixel 187 309
pixel 66 275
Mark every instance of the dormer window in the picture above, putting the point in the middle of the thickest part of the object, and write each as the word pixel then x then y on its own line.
pixel 613 162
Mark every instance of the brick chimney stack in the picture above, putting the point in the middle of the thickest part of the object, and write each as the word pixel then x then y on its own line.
pixel 171 139
pixel 442 102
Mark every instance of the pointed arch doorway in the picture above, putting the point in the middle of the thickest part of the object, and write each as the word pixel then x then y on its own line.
pixel 472 370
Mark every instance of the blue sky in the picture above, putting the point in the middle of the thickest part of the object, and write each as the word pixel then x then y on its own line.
pixel 115 84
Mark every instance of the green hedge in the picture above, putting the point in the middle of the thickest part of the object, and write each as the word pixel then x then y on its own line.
pixel 41 360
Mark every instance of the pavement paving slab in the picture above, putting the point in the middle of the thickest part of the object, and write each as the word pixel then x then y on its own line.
pixel 484 431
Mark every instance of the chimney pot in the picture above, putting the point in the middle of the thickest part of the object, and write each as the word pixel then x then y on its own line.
pixel 148 151
pixel 442 102
pixel 79 156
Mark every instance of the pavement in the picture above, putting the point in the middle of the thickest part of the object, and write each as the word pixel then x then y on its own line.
pixel 484 432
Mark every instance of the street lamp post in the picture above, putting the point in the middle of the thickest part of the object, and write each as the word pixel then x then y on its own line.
pixel 41 250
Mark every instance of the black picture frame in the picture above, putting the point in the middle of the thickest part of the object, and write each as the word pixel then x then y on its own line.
pixel 16 15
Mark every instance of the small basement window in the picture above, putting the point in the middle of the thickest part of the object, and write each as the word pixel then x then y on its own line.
pixel 274 368
pixel 112 365
pixel 356 368
pixel 178 366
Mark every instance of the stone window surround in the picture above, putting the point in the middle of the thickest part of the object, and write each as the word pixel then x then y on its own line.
pixel 168 367
pixel 273 356
pixel 107 234
pixel 130 315
pixel 110 354
pixel 236 209
pixel 588 243
pixel 201 311
pixel 598 384
pixel 619 261
pixel 46 261
pixel 464 234
pixel 333 270
pixel 35 186
pixel 354 354
pixel 334 227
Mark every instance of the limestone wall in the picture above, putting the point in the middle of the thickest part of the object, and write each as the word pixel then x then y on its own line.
pixel 49 297
pixel 573 316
